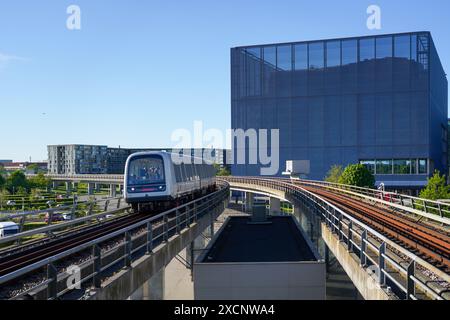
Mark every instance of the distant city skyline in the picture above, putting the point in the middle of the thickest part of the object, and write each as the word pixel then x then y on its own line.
pixel 137 71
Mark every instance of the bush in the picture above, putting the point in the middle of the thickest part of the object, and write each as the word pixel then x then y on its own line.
pixel 436 188
pixel 334 174
pixel 357 175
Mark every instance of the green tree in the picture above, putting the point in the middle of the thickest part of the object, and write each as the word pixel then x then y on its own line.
pixel 334 174
pixel 16 181
pixel 3 198
pixel 2 181
pixel 39 181
pixel 221 171
pixel 436 188
pixel 33 167
pixel 357 175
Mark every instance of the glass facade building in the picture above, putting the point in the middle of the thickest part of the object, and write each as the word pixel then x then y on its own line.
pixel 377 100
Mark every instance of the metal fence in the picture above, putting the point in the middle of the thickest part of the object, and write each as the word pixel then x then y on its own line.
pixel 143 236
pixel 372 248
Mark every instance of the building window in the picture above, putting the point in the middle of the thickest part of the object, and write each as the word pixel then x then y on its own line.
pixel 384 166
pixel 284 58
pixel 422 166
pixel 402 47
pixel 270 56
pixel 349 52
pixel 316 55
pixel 366 49
pixel 301 57
pixel 384 47
pixel 402 166
pixel 396 166
pixel 333 53
pixel 369 164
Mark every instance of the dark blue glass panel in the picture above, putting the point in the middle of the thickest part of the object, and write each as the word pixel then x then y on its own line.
pixel 349 51
pixel 402 47
pixel 284 67
pixel 316 56
pixel 333 53
pixel 284 58
pixel 269 70
pixel 384 47
pixel 301 57
pixel 349 71
pixel 300 75
pixel 253 61
pixel 366 49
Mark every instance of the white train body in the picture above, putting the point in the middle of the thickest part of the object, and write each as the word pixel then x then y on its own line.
pixel 160 180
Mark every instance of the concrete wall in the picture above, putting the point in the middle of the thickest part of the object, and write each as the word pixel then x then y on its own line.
pixel 260 281
pixel 364 282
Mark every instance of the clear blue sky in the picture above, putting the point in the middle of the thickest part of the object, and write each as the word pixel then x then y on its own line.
pixel 137 70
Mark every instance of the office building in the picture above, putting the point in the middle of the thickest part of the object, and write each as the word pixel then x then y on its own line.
pixel 376 100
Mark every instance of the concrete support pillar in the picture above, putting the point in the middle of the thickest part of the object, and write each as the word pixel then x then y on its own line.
pixel 90 188
pixel 112 190
pixel 98 186
pixel 153 289
pixel 249 197
pixel 55 184
pixel 138 294
pixel 275 207
pixel 194 250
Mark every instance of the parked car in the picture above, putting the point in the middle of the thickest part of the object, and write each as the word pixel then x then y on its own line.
pixel 10 203
pixel 108 216
pixel 67 216
pixel 56 217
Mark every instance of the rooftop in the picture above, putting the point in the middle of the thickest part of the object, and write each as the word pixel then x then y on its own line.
pixel 334 39
pixel 278 241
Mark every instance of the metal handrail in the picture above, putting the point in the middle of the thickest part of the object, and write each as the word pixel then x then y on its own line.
pixel 193 210
pixel 392 199
pixel 332 213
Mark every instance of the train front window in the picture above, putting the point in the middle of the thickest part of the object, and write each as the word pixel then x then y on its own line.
pixel 146 170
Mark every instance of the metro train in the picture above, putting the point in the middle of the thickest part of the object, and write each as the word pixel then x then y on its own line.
pixel 153 181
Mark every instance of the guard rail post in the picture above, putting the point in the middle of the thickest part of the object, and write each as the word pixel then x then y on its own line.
pixel 363 248
pixel 96 253
pixel 149 248
pixel 381 264
pixel 52 277
pixel 165 228
pixel 410 285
